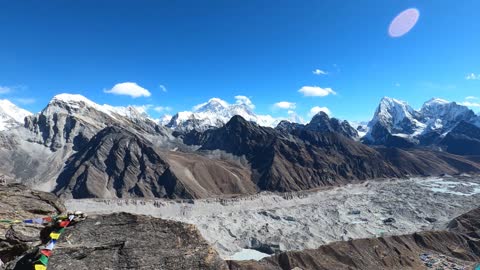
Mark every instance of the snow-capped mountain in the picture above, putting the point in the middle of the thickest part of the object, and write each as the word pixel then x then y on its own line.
pixel 215 113
pixel 70 118
pixel 396 118
pixel 11 115
pixel 74 103
pixel 442 116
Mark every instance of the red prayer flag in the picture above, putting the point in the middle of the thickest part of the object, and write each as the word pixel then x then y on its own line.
pixel 47 219
pixel 46 252
pixel 64 223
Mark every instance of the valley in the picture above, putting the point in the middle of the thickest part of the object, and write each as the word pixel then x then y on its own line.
pixel 271 222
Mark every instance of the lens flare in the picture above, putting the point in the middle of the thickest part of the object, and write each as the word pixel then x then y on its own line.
pixel 404 22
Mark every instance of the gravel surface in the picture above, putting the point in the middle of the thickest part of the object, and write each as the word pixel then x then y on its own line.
pixel 269 222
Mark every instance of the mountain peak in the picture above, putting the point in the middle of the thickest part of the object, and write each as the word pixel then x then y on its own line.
pixel 321 114
pixel 216 113
pixel 212 105
pixel 11 115
pixel 65 97
pixel 391 101
pixel 435 101
pixel 237 119
pixel 321 122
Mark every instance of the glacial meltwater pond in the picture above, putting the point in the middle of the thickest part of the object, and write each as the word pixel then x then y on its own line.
pixel 248 254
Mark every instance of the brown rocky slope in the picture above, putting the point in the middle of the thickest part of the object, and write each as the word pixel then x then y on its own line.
pixel 459 246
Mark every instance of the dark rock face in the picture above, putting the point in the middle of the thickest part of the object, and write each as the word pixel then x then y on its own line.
pixel 461 244
pixel 464 139
pixel 19 203
pixel 118 163
pixel 125 241
pixel 283 162
pixel 308 159
pixel 321 122
pixel 289 127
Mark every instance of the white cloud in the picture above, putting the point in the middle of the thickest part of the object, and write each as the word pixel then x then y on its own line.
pixel 471 97
pixel 243 100
pixel 315 91
pixel 162 109
pixel 284 105
pixel 319 72
pixel 5 89
pixel 317 109
pixel 470 104
pixel 163 88
pixel 473 76
pixel 25 100
pixel 129 89
pixel 397 84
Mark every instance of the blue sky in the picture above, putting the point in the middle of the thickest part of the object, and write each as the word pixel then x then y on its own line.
pixel 265 50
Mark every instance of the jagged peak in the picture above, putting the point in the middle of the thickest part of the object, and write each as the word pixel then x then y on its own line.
pixel 392 101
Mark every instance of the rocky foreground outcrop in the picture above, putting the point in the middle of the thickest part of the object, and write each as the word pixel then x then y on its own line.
pixel 126 241
pixel 19 203
pixel 115 241
pixel 459 246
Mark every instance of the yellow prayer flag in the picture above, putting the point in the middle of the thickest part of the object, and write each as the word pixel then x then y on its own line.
pixel 54 235
pixel 40 267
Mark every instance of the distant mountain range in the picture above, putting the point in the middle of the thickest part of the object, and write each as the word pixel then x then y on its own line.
pixel 215 113
pixel 77 148
pixel 395 123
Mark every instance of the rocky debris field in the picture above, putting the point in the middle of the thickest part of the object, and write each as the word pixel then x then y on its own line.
pixel 270 223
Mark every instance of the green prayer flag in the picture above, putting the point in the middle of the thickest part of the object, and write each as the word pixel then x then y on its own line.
pixel 43 259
